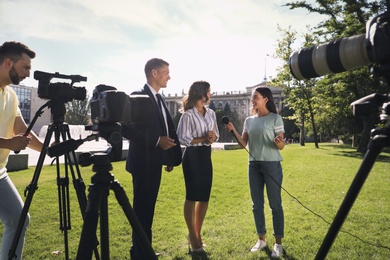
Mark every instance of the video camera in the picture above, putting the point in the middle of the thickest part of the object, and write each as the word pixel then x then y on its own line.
pixel 110 109
pixel 110 106
pixel 346 53
pixel 59 91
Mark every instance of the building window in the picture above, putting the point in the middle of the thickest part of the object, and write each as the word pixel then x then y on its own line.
pixel 24 96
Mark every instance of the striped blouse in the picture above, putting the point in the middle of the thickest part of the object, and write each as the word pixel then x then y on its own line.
pixel 193 124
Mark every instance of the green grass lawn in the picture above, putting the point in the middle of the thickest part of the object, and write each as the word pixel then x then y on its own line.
pixel 318 178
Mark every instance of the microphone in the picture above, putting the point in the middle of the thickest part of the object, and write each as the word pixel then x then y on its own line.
pixel 225 120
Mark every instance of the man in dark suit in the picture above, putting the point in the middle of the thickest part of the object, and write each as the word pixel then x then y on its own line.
pixel 152 145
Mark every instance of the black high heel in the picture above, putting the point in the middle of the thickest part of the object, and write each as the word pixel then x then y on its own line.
pixel 194 250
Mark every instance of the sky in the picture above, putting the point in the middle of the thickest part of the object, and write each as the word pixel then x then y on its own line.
pixel 229 43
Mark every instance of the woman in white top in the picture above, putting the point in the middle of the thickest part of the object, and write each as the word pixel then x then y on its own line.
pixel 197 130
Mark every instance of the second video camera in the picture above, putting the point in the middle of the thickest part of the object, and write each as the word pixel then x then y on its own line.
pixel 58 90
pixel 110 106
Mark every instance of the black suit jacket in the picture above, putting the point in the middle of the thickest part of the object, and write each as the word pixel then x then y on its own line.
pixel 143 149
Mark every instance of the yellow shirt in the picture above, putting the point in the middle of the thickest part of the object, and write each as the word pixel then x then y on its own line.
pixel 9 110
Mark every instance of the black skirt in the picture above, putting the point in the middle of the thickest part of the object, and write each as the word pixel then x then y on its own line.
pixel 198 172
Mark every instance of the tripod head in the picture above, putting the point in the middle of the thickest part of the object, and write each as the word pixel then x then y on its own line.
pixel 371 104
pixel 110 132
pixel 375 104
pixel 58 110
pixel 386 112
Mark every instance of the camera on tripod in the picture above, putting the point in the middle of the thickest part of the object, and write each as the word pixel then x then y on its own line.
pixel 343 55
pixel 346 53
pixel 109 110
pixel 59 90
pixel 110 106
pixel 372 104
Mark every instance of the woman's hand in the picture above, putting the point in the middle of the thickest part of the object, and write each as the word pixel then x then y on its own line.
pixel 279 142
pixel 211 137
pixel 229 127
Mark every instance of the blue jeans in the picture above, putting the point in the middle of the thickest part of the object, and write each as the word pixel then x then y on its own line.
pixel 11 205
pixel 266 174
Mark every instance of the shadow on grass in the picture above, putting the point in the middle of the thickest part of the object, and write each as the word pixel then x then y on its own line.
pixel 268 251
pixel 285 254
pixel 384 156
pixel 195 256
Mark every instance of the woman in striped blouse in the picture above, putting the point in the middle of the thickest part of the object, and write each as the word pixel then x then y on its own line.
pixel 197 130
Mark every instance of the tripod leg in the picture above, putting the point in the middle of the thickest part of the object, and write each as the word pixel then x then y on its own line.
pixel 357 184
pixel 123 200
pixel 78 185
pixel 30 190
pixel 78 182
pixel 87 244
pixel 64 210
pixel 104 234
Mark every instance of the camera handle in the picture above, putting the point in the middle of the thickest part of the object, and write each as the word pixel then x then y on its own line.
pixel 31 125
pixel 101 183
pixel 380 138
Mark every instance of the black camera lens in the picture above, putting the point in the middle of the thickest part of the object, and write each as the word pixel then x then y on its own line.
pixel 333 57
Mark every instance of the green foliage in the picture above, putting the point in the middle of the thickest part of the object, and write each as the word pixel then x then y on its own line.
pixel 299 94
pixel 290 128
pixel 324 103
pixel 77 112
pixel 176 119
pixel 226 108
pixel 212 105
pixel 319 178
pixel 225 136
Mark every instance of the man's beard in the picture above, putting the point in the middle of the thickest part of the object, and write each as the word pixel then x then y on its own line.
pixel 13 75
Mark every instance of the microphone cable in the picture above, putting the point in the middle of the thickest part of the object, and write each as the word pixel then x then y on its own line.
pixel 225 120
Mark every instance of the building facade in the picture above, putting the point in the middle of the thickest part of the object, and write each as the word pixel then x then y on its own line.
pixel 239 102
pixel 29 104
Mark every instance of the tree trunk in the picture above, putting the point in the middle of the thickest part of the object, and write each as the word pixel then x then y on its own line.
pixel 302 132
pixel 369 124
pixel 313 125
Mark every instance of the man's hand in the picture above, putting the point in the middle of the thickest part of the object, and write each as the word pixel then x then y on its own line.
pixel 19 142
pixel 166 142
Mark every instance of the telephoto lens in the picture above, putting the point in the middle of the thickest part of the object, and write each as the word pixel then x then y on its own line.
pixel 333 57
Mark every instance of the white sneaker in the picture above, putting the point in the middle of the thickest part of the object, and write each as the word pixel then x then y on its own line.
pixel 278 251
pixel 260 244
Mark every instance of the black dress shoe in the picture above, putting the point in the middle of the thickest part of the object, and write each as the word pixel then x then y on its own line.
pixel 132 257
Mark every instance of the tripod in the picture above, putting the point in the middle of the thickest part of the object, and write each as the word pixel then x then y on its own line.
pixel 101 183
pixel 60 130
pixel 380 138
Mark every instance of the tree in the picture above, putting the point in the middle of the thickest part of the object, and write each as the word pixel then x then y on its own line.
pixel 212 106
pixel 342 19
pixel 298 93
pixel 176 119
pixel 226 108
pixel 224 136
pixel 290 128
pixel 77 112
